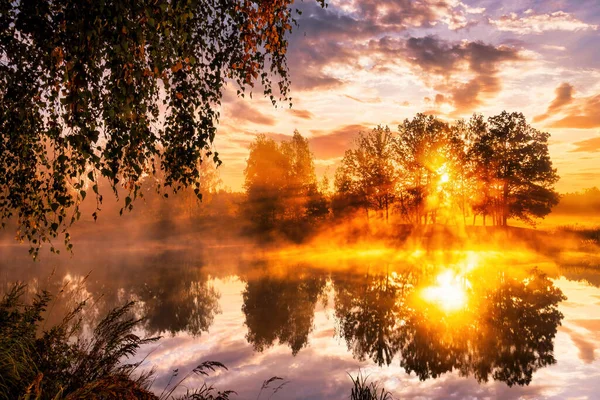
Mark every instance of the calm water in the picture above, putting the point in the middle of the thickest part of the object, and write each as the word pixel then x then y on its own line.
pixel 454 324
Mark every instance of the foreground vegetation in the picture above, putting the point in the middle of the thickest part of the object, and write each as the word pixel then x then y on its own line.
pixel 56 363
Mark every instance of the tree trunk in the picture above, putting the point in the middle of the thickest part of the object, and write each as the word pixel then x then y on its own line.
pixel 386 209
pixel 505 204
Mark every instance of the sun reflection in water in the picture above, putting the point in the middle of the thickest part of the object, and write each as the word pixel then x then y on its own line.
pixel 449 292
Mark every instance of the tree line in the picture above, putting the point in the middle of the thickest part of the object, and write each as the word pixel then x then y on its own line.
pixel 428 171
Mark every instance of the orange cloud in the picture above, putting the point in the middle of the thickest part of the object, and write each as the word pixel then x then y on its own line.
pixel 304 114
pixel 366 100
pixel 242 113
pixel 564 96
pixel 333 144
pixel 589 145
pixel 584 115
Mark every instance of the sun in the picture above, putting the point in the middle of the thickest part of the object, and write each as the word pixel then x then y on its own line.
pixel 449 292
pixel 443 174
pixel 445 178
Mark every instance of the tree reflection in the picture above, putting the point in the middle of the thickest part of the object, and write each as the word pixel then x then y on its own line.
pixel 177 300
pixel 367 309
pixel 173 294
pixel 504 331
pixel 282 308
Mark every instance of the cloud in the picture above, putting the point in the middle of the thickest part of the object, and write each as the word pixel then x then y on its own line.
pixel 538 23
pixel 366 100
pixel 585 346
pixel 588 146
pixel 584 114
pixel 333 144
pixel 242 113
pixel 304 114
pixel 585 176
pixel 451 61
pixel 336 35
pixel 564 96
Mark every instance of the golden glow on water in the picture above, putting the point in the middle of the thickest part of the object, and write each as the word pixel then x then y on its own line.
pixel 449 292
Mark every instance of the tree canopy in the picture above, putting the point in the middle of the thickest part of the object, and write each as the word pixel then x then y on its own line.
pixel 281 184
pixel 432 171
pixel 117 90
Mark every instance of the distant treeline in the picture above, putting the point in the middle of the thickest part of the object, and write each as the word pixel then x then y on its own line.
pixel 583 202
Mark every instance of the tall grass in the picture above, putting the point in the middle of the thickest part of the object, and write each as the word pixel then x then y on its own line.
pixel 363 390
pixel 58 364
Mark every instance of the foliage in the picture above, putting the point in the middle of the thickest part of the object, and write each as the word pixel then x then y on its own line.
pixel 54 364
pixel 423 148
pixel 520 176
pixel 434 171
pixel 281 185
pixel 205 392
pixel 119 90
pixel 367 172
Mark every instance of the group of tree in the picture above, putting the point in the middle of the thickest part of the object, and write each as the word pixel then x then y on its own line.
pixel 281 185
pixel 429 171
pixel 433 171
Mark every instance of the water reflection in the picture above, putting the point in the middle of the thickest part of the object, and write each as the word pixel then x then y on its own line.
pixel 177 300
pixel 368 309
pixel 491 322
pixel 173 292
pixel 282 308
pixel 505 332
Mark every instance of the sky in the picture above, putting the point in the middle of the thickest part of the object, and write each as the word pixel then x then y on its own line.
pixel 360 63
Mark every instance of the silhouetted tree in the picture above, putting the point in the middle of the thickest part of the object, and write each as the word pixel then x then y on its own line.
pixel 423 149
pixel 367 171
pixel 519 171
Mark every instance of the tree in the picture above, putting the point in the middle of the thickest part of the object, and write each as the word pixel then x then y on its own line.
pixel 264 181
pixel 280 183
pixel 470 175
pixel 518 168
pixel 367 171
pixel 300 176
pixel 119 89
pixel 422 150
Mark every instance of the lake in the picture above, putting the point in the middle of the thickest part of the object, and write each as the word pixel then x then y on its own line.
pixel 500 322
